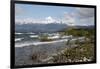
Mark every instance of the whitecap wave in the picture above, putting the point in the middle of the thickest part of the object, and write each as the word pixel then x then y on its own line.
pixel 54 37
pixel 18 39
pixel 34 36
pixel 39 43
pixel 25 33
pixel 18 33
pixel 31 33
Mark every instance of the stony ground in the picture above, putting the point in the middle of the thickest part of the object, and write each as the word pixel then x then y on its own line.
pixel 23 55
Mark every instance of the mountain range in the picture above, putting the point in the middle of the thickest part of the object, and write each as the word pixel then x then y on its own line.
pixel 37 28
pixel 52 27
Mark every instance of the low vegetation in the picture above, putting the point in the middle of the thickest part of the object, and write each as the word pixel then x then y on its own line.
pixel 38 56
pixel 82 53
pixel 44 38
pixel 78 51
pixel 78 32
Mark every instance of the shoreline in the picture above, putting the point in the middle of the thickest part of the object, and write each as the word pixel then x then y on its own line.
pixel 47 42
pixel 41 43
pixel 23 54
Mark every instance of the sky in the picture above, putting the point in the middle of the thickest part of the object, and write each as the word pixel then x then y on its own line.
pixel 28 13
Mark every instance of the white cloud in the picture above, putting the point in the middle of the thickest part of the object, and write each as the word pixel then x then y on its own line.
pixel 50 19
pixel 88 21
pixel 69 18
pixel 82 16
pixel 85 16
pixel 85 12
pixel 45 20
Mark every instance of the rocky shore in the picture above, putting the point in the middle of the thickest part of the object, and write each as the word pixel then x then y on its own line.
pixel 23 55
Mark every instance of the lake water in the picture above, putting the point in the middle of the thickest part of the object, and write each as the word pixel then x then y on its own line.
pixel 27 39
pixel 27 44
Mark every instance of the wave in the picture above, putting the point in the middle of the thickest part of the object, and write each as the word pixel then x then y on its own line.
pixel 54 37
pixel 18 33
pixel 47 42
pixel 39 43
pixel 30 33
pixel 18 39
pixel 34 36
pixel 24 33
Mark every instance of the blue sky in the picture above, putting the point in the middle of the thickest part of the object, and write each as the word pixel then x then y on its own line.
pixel 76 16
pixel 38 11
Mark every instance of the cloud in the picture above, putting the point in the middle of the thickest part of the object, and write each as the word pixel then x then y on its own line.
pixel 88 21
pixel 85 12
pixel 69 18
pixel 85 16
pixel 45 20
pixel 19 10
pixel 81 16
pixel 50 19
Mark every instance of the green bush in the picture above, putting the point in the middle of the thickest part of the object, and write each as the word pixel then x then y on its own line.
pixel 44 37
pixel 75 54
pixel 78 32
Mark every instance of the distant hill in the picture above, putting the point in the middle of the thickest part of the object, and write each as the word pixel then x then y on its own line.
pixel 52 27
pixel 85 27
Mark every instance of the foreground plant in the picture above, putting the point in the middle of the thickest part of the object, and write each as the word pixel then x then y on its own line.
pixel 82 53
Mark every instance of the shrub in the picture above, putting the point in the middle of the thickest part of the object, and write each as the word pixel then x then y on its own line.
pixel 44 37
pixel 83 53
